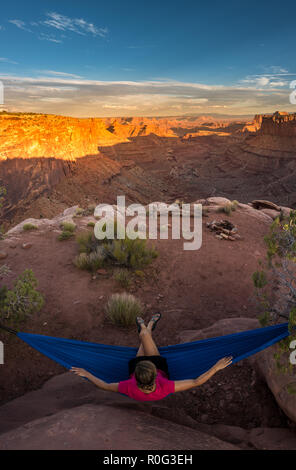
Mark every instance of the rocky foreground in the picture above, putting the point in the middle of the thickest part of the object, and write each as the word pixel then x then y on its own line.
pixel 245 407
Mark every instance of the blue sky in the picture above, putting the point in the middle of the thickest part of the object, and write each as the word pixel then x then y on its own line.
pixel 93 58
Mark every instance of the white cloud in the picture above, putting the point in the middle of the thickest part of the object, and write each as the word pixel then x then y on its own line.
pixel 8 61
pixel 20 24
pixel 59 74
pixel 76 25
pixel 65 93
pixel 61 23
pixel 50 38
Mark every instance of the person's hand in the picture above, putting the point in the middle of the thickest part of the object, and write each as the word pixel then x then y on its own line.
pixel 224 362
pixel 78 371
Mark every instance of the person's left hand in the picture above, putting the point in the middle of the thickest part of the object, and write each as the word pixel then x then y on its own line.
pixel 78 371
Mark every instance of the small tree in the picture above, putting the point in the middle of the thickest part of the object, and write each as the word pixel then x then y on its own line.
pixel 275 281
pixel 23 299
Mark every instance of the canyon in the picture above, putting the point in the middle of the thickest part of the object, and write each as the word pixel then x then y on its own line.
pixel 49 162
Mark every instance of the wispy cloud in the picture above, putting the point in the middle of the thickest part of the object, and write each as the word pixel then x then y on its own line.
pixel 8 61
pixel 20 24
pixel 59 74
pixel 65 93
pixel 273 77
pixel 48 37
pixel 76 25
pixel 56 22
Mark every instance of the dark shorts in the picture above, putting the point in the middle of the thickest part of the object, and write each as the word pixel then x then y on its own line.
pixel 159 362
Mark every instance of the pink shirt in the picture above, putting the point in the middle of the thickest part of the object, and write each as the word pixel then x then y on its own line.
pixel 164 387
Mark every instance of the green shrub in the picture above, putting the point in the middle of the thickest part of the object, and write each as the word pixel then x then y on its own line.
pixel 89 210
pixel 123 277
pixel 79 212
pixel 228 208
pixel 91 224
pixel 120 252
pixel 91 261
pixel 29 227
pixel 68 226
pixel 87 242
pixel 65 235
pixel 131 253
pixel 122 309
pixel 23 300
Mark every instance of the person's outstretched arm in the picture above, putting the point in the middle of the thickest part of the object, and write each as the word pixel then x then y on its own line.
pixel 113 387
pixel 181 385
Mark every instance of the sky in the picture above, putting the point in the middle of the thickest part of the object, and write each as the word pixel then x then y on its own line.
pixel 157 58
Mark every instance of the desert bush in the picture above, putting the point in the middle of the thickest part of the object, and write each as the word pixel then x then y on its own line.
pixel 79 212
pixel 228 208
pixel 123 277
pixel 89 210
pixel 91 261
pixel 23 299
pixel 65 235
pixel 131 253
pixel 29 226
pixel 68 226
pixel 120 252
pixel 122 309
pixel 87 242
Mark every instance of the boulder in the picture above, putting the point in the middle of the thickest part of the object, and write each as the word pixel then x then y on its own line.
pixel 259 215
pixel 3 254
pixel 39 223
pixel 70 211
pixel 271 213
pixel 282 385
pixel 262 204
pixel 272 439
pixel 218 201
pixel 286 211
pixel 96 427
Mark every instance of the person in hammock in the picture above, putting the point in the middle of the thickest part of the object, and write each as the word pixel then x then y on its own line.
pixel 148 371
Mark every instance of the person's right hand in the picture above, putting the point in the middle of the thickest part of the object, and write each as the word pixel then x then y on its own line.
pixel 224 362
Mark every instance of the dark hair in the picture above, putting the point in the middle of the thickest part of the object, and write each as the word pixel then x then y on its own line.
pixel 145 374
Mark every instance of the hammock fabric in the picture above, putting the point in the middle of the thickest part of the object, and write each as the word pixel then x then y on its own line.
pixel 186 360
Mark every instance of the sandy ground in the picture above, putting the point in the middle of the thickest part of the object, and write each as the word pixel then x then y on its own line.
pixel 192 289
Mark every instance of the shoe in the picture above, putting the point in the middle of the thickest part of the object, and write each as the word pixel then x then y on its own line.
pixel 139 322
pixel 155 318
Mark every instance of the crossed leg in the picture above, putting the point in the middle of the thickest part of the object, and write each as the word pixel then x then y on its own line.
pixel 147 346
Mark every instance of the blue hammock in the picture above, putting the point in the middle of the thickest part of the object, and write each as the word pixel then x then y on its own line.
pixel 186 360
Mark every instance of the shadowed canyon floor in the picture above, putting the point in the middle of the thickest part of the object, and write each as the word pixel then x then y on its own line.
pixel 94 160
